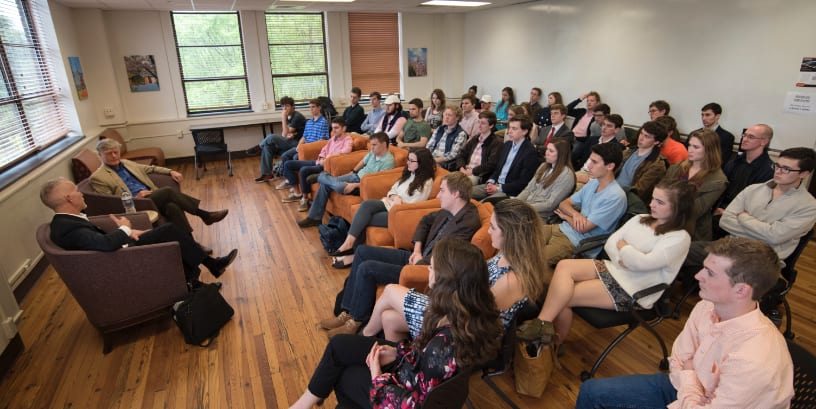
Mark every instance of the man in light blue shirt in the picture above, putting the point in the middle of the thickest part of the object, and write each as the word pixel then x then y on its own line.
pixel 376 114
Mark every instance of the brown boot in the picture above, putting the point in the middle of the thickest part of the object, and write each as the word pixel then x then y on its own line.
pixel 335 322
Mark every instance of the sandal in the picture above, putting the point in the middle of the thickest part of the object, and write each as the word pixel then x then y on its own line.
pixel 339 264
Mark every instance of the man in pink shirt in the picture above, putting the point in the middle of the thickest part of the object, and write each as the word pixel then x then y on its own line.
pixel 470 118
pixel 729 355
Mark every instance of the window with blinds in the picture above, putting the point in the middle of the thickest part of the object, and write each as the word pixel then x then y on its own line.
pixel 297 55
pixel 32 112
pixel 374 43
pixel 211 59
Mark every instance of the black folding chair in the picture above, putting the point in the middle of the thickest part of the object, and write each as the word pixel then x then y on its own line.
pixel 804 377
pixel 777 295
pixel 210 142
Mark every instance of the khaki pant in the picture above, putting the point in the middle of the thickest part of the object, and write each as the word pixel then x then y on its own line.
pixel 558 248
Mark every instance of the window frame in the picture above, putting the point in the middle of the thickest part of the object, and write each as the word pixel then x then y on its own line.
pixel 325 73
pixel 184 81
pixel 361 54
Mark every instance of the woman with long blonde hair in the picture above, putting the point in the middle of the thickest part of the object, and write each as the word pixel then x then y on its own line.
pixel 516 275
pixel 553 181
pixel 702 170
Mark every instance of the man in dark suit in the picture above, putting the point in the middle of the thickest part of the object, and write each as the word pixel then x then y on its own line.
pixel 710 116
pixel 71 230
pixel 378 265
pixel 517 163
pixel 558 129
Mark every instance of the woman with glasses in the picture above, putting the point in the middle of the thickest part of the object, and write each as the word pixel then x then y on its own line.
pixel 702 169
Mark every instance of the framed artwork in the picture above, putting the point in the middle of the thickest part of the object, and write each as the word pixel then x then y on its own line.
pixel 417 62
pixel 79 78
pixel 141 72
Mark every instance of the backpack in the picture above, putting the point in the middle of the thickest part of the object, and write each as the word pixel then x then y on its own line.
pixel 333 233
pixel 201 315
pixel 327 108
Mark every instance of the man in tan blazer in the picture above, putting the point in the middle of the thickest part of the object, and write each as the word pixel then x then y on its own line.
pixel 116 175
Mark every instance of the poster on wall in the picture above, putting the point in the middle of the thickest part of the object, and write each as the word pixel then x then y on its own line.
pixel 417 62
pixel 141 72
pixel 79 78
pixel 807 72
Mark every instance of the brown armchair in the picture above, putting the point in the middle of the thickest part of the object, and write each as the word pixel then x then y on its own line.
pixel 104 204
pixel 402 225
pixel 121 288
pixel 375 187
pixel 148 156
pixel 84 163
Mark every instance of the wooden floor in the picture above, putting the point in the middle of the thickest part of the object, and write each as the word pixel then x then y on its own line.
pixel 280 286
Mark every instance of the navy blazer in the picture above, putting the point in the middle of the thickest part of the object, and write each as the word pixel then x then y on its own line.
pixel 521 170
pixel 76 233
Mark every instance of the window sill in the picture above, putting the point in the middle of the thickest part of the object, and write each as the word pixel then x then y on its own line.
pixel 23 168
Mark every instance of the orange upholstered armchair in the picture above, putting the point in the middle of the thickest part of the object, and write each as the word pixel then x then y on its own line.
pixel 402 223
pixel 309 151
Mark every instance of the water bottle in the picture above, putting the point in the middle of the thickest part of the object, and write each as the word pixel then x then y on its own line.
pixel 127 202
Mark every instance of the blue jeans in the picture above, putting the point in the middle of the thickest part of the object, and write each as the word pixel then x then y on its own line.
pixel 328 183
pixel 271 146
pixel 372 266
pixel 632 391
pixel 293 169
pixel 286 156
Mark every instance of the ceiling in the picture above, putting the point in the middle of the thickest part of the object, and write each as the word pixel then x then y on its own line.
pixel 408 6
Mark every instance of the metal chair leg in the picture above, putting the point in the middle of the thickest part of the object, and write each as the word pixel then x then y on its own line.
pixel 195 165
pixel 499 392
pixel 229 162
pixel 586 375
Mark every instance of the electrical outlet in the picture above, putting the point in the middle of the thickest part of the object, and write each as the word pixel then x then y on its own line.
pixel 108 112
pixel 266 106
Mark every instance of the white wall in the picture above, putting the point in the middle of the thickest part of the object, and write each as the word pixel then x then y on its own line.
pixel 744 54
pixel 443 36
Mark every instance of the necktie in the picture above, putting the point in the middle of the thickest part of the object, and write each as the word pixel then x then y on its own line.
pixel 550 136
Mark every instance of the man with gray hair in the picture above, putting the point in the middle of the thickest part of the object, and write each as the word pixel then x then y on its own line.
pixel 117 175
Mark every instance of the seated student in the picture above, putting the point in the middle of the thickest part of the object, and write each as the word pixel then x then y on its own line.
pixel 601 201
pixel 543 117
pixel 470 118
pixel 674 151
pixel 658 108
pixel 643 166
pixel 556 129
pixel 117 175
pixel 702 169
pixel 392 121
pixel 583 118
pixel 71 230
pixel 378 159
pixel 508 99
pixel 274 144
pixel 433 115
pixel 599 113
pixel 479 156
pixel 448 139
pixel 534 103
pixel 778 212
pixel 517 163
pixel 553 181
pixel 609 126
pixel 752 164
pixel 415 132
pixel 728 355
pixel 377 265
pixel 473 90
pixel 375 115
pixel 354 114
pixel 710 116
pixel 517 233
pixel 486 103
pixel 648 250
pixel 460 331
pixel 295 170
pixel 316 128
pixel 527 111
pixel 413 186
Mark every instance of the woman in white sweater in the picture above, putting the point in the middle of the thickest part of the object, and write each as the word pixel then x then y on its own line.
pixel 553 181
pixel 647 250
pixel 413 186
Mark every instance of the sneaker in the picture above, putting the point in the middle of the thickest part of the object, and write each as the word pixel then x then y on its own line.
pixel 307 222
pixel 255 150
pixel 263 178
pixel 292 198
pixel 335 322
pixel 349 327
pixel 283 185
pixel 535 330
pixel 304 205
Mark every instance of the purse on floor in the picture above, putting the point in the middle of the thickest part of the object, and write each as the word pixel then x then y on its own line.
pixel 201 315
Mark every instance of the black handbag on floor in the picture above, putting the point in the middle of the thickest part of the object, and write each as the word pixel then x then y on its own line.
pixel 201 315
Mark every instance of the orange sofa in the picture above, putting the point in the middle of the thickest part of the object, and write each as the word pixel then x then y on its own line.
pixel 402 222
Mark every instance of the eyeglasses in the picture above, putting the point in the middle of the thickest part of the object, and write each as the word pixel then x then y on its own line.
pixel 413 161
pixel 784 169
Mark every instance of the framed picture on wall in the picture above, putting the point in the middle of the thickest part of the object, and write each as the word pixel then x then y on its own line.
pixel 79 78
pixel 417 62
pixel 141 72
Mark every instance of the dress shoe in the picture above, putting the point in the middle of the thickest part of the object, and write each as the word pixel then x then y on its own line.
pixel 263 178
pixel 340 264
pixel 349 327
pixel 196 284
pixel 215 217
pixel 335 322
pixel 255 150
pixel 219 264
pixel 307 222
pixel 338 253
